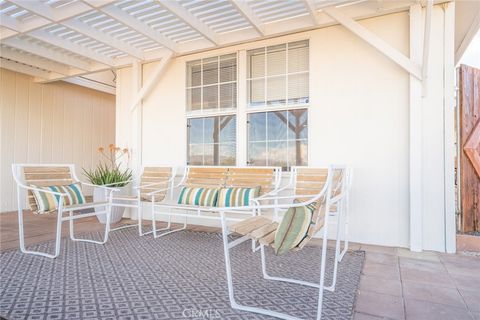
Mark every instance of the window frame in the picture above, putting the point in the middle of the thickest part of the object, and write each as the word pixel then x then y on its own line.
pixel 217 111
pixel 208 113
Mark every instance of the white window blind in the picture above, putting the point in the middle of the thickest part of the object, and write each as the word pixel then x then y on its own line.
pixel 212 83
pixel 278 75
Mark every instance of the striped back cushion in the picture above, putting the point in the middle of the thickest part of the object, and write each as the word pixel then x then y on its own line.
pixel 316 223
pixel 198 196
pixel 236 197
pixel 47 202
pixel 292 229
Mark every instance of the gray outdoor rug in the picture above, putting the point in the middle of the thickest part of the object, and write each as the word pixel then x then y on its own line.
pixel 180 276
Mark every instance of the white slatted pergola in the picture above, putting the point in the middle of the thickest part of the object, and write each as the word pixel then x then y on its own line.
pixel 60 39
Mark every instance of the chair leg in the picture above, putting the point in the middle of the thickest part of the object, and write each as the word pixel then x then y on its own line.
pixel 107 228
pixel 21 233
pixel 168 227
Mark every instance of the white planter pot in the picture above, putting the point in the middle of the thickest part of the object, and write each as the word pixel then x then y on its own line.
pixel 99 195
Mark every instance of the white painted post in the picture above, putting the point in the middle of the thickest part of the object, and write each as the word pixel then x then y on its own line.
pixel 449 123
pixel 136 127
pixel 136 118
pixel 416 210
pixel 241 109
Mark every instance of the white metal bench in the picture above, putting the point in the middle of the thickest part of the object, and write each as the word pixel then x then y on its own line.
pixel 268 178
pixel 27 176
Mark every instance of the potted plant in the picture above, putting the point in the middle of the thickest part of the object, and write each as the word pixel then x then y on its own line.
pixel 110 173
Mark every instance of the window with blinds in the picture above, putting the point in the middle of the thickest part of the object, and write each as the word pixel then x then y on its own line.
pixel 212 83
pixel 278 75
pixel 212 140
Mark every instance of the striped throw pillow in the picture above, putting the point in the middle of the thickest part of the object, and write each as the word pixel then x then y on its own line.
pixel 206 197
pixel 47 202
pixel 236 197
pixel 316 224
pixel 292 229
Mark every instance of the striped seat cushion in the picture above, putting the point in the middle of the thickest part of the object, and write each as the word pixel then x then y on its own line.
pixel 206 197
pixel 47 202
pixel 236 197
pixel 293 228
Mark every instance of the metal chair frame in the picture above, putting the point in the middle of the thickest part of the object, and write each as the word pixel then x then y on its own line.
pixel 21 186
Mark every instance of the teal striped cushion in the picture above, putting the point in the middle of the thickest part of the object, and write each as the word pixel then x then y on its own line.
pixel 236 197
pixel 292 229
pixel 206 197
pixel 47 202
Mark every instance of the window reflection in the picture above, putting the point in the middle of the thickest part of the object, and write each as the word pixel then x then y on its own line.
pixel 212 140
pixel 278 138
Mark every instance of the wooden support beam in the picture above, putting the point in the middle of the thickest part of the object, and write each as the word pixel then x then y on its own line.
pixel 183 14
pixel 150 84
pixel 22 68
pixel 22 57
pixel 59 16
pixel 310 5
pixel 372 39
pixel 47 53
pixel 472 31
pixel 46 37
pixel 247 12
pixel 135 24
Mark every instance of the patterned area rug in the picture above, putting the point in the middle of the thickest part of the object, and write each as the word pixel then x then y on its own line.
pixel 180 276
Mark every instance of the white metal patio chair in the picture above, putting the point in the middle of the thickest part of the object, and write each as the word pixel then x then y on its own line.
pixel 310 180
pixel 263 230
pixel 154 184
pixel 31 177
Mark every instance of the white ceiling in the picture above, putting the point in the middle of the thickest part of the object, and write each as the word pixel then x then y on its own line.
pixel 64 39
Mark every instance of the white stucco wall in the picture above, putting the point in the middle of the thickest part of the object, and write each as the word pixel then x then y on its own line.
pixel 359 115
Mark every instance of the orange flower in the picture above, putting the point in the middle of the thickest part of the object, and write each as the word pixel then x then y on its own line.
pixel 125 150
pixel 101 149
pixel 111 146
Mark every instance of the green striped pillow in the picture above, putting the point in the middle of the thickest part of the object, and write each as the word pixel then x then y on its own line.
pixel 47 202
pixel 206 197
pixel 236 197
pixel 292 229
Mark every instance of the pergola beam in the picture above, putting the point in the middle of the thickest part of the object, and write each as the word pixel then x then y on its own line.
pixel 131 22
pixel 60 16
pixel 375 41
pixel 22 68
pixel 472 31
pixel 248 14
pixel 183 14
pixel 310 5
pixel 71 46
pixel 49 65
pixel 47 53
pixel 150 84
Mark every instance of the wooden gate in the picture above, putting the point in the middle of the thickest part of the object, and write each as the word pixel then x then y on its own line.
pixel 470 148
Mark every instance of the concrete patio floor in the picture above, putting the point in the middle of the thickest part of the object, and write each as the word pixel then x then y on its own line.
pixel 395 283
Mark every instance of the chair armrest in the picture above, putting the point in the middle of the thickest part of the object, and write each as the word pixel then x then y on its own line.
pixel 100 186
pixel 284 197
pixel 159 190
pixel 273 192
